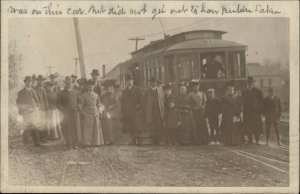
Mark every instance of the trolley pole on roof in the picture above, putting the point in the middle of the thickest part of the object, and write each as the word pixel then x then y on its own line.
pixel 79 48
pixel 136 39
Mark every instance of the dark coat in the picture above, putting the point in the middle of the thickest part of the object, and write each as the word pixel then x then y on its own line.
pixel 42 96
pixel 252 101
pixel 252 110
pixel 172 118
pixel 68 102
pixel 52 100
pixel 130 102
pixel 213 108
pixel 27 101
pixel 230 128
pixel 272 108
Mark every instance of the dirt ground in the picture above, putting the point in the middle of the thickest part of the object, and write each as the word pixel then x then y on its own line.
pixel 124 165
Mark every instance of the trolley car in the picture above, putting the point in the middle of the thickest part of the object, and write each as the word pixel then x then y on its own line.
pixel 200 54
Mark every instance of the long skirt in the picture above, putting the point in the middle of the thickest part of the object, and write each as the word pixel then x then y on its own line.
pixel 107 128
pixel 201 131
pixel 231 132
pixel 69 130
pixel 53 124
pixel 92 131
pixel 187 128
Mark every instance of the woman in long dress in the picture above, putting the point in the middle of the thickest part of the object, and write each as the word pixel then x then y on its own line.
pixel 90 101
pixel 187 123
pixel 231 118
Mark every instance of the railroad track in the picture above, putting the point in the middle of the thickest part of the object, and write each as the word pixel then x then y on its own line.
pixel 276 164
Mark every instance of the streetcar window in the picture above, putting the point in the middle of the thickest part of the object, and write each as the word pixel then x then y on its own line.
pixel 213 66
pixel 187 67
pixel 234 64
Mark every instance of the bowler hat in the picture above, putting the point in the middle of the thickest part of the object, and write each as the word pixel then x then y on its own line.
pixel 109 82
pixel 68 79
pixel 53 76
pixel 41 77
pixel 27 78
pixel 95 72
pixel 33 77
pixel 48 84
pixel 250 79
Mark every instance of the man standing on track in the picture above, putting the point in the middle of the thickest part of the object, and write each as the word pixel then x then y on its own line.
pixel 252 103
pixel 129 106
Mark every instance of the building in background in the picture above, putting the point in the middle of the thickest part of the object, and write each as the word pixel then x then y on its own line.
pixel 267 76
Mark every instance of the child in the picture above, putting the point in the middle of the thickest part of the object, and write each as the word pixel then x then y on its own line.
pixel 172 122
pixel 272 113
pixel 212 112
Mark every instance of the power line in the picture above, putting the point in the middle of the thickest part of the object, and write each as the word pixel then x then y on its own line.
pixel 49 69
pixel 136 39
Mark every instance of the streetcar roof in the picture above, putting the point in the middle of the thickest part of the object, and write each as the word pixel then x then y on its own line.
pixel 204 44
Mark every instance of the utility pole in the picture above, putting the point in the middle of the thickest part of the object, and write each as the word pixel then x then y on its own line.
pixel 79 48
pixel 76 64
pixel 49 69
pixel 136 39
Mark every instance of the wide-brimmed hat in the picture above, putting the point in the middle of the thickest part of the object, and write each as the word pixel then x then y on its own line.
pixel 48 84
pixel 27 78
pixel 109 82
pixel 53 76
pixel 153 80
pixel 167 86
pixel 250 79
pixel 33 77
pixel 210 90
pixel 90 82
pixel 95 72
pixel 129 77
pixel 68 79
pixel 73 76
pixel 41 77
pixel 82 81
pixel 194 82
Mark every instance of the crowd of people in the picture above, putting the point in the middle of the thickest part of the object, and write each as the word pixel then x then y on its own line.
pixel 87 112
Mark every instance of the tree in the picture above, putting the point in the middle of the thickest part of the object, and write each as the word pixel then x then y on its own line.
pixel 14 63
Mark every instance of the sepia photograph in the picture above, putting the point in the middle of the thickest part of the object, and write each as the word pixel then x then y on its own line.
pixel 142 102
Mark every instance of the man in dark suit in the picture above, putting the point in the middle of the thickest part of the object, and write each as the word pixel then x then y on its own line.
pixel 154 111
pixel 252 104
pixel 129 106
pixel 68 103
pixel 27 103
pixel 272 113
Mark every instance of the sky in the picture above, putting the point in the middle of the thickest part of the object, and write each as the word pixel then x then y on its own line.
pixel 51 41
